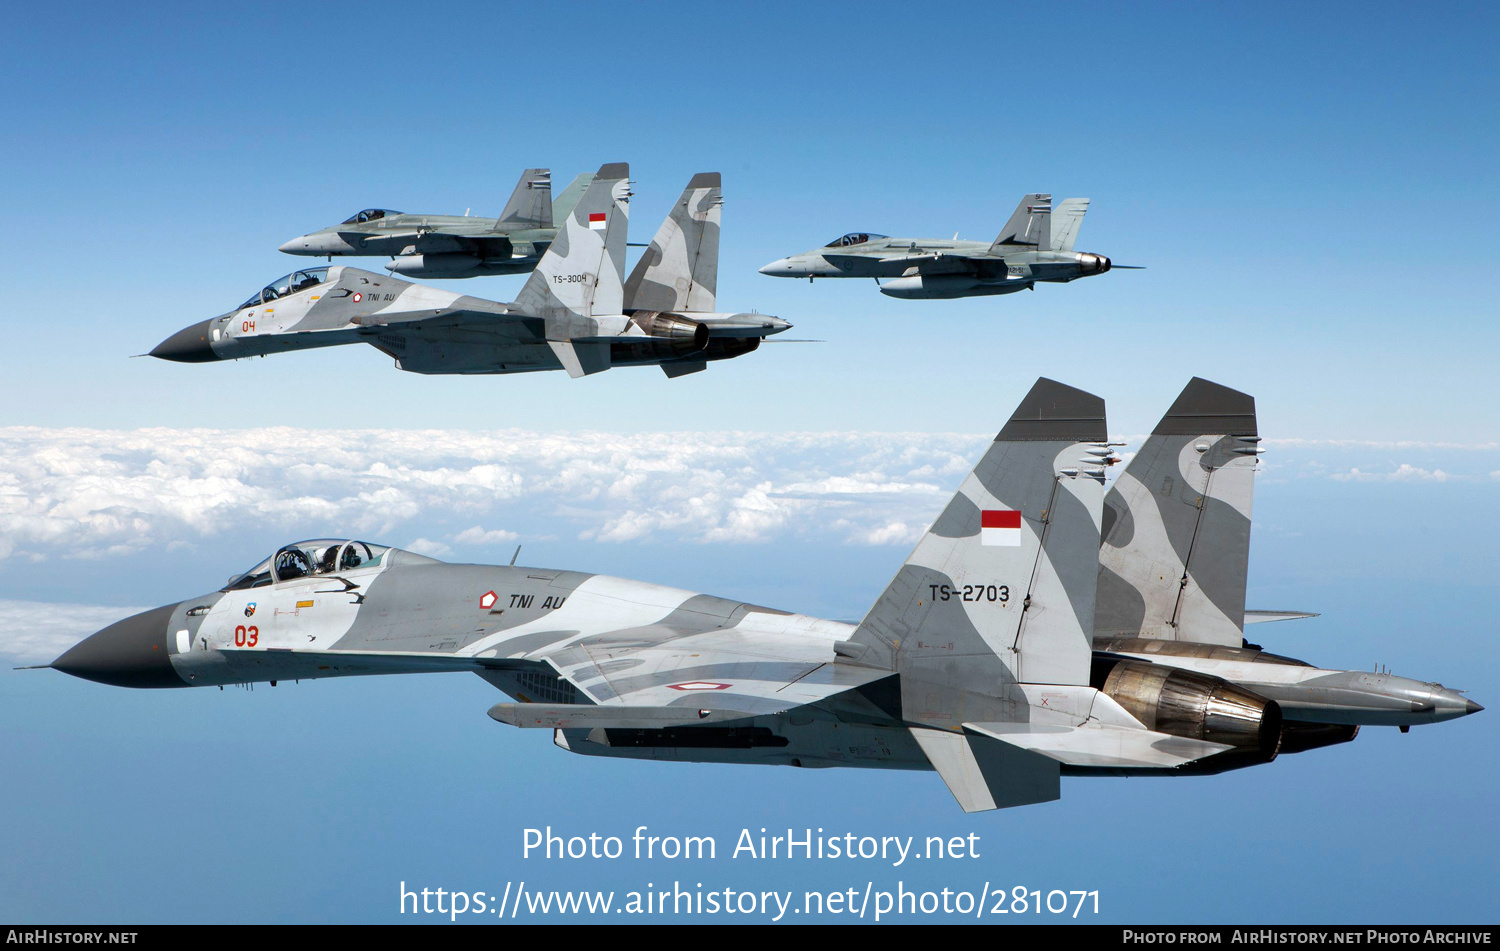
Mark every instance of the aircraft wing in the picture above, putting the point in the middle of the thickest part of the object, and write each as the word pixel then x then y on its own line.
pixel 480 321
pixel 725 671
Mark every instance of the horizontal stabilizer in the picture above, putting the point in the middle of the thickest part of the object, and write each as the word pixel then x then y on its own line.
pixel 985 773
pixel 1260 617
pixel 563 716
pixel 1100 744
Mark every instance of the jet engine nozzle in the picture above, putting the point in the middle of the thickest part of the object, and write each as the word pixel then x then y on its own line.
pixel 1197 706
pixel 683 333
pixel 1093 263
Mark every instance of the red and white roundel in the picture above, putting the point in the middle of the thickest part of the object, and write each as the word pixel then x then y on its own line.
pixel 488 599
pixel 699 685
pixel 357 298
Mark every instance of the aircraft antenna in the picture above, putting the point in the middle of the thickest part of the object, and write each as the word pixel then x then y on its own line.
pixel 515 556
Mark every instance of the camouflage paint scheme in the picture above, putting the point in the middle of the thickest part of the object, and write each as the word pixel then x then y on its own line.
pixel 976 661
pixel 576 311
pixel 1035 246
pixel 452 246
pixel 1174 562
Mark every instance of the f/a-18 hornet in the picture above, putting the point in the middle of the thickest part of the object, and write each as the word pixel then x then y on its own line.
pixel 577 311
pixel 1035 246
pixel 984 659
pixel 453 245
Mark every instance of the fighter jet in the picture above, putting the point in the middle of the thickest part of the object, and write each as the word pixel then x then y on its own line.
pixel 445 246
pixel 1035 246
pixel 576 312
pixel 976 661
pixel 1172 576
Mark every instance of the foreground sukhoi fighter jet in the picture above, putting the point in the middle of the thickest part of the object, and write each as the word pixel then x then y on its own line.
pixel 1009 649
pixel 576 312
pixel 1035 246
pixel 444 246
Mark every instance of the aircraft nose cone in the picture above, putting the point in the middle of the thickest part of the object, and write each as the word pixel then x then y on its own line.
pixel 128 653
pixel 295 246
pixel 1471 707
pixel 777 268
pixel 188 345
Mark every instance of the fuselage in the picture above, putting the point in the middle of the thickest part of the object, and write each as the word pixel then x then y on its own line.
pixel 427 330
pixel 335 608
pixel 927 268
pixel 433 246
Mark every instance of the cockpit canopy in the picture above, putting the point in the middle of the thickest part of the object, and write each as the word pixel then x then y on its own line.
pixel 318 556
pixel 849 240
pixel 369 214
pixel 288 284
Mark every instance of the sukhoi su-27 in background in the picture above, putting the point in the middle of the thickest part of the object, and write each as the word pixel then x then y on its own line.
pixel 577 311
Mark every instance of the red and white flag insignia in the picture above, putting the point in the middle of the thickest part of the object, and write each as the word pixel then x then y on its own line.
pixel 488 599
pixel 596 221
pixel 698 685
pixel 1000 527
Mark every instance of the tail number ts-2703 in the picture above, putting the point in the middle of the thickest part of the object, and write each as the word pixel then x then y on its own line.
pixel 971 592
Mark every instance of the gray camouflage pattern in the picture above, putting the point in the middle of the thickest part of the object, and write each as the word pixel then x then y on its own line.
pixel 976 661
pixel 1176 549
pixel 570 314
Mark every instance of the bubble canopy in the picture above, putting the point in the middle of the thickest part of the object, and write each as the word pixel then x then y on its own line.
pixel 317 556
pixel 288 284
pixel 368 215
pixel 850 240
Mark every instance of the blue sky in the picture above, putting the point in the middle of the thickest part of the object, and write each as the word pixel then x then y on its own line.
pixel 1312 193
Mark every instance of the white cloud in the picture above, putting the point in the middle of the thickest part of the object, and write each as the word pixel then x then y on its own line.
pixel 1402 473
pixel 478 536
pixel 33 632
pixel 81 493
pixel 101 494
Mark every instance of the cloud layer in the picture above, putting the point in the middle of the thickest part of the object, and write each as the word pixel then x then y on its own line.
pixel 97 493
pixel 105 495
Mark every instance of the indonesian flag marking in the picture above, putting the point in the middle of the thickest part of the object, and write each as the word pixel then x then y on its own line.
pixel 1000 527
pixel 698 685
pixel 488 599
pixel 596 221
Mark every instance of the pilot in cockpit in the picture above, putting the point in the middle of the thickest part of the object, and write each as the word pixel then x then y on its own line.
pixel 292 563
pixel 328 561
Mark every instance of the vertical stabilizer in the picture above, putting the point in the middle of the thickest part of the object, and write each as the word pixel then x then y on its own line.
pixel 1067 219
pixel 1001 588
pixel 1176 545
pixel 1029 227
pixel 530 205
pixel 680 270
pixel 563 204
pixel 581 275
